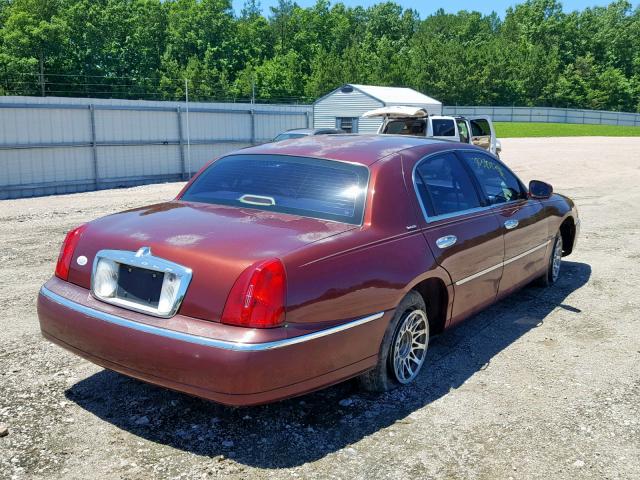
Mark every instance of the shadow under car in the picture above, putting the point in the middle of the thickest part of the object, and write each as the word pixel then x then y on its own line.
pixel 303 429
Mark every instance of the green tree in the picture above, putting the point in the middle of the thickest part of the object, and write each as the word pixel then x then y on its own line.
pixel 32 39
pixel 538 55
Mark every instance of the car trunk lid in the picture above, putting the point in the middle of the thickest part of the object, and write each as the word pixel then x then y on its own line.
pixel 216 242
pixel 396 111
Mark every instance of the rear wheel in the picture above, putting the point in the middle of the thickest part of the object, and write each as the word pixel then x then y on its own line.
pixel 555 262
pixel 403 349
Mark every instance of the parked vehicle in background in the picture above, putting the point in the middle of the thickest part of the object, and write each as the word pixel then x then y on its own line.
pixel 287 267
pixel 305 132
pixel 404 120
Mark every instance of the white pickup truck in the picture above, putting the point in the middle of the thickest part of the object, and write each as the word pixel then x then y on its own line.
pixel 400 120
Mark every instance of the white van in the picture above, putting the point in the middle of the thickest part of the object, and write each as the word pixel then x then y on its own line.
pixel 400 120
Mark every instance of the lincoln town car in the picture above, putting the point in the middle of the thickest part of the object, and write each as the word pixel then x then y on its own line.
pixel 287 267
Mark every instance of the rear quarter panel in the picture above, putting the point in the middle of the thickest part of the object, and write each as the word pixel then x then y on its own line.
pixel 365 270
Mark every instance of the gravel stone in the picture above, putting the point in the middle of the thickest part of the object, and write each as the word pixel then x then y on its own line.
pixel 559 359
pixel 144 420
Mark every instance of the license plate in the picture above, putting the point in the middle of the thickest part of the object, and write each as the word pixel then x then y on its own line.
pixel 139 285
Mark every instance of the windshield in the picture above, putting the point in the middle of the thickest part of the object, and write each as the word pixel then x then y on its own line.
pixel 310 187
pixel 288 136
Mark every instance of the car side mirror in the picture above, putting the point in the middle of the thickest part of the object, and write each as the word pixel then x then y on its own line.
pixel 539 190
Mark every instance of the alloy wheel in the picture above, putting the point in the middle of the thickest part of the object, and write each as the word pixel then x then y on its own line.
pixel 557 259
pixel 410 346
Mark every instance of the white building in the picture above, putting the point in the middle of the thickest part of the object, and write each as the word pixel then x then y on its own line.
pixel 343 107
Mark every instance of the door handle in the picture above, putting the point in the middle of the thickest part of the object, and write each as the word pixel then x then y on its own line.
pixel 446 241
pixel 511 224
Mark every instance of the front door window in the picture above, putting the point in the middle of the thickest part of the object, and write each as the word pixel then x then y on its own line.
pixel 499 185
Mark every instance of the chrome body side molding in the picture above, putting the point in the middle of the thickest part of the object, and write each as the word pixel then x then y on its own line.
pixel 501 264
pixel 199 340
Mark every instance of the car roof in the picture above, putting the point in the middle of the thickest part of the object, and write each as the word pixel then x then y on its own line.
pixel 306 131
pixel 365 149
pixel 311 131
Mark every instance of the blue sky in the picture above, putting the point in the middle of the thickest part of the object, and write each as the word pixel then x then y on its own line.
pixel 427 7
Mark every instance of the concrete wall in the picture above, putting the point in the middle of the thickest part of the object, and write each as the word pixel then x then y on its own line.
pixel 62 145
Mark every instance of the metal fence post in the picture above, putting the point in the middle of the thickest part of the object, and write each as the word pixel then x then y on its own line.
pixel 253 126
pixel 181 142
pixel 306 114
pixel 94 146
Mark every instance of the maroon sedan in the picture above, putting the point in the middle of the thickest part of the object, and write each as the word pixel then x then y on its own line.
pixel 288 267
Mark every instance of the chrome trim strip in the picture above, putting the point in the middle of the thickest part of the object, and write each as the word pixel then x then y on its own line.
pixel 143 258
pixel 501 264
pixel 524 254
pixel 479 274
pixel 196 339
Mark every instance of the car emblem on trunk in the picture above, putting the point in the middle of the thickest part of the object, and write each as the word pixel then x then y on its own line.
pixel 81 260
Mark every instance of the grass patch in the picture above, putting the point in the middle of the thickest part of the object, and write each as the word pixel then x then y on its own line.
pixel 516 129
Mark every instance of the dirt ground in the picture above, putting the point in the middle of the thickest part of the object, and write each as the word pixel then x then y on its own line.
pixel 545 384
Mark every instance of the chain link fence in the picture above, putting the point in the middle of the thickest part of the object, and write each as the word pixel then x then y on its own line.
pixel 547 115
pixel 54 145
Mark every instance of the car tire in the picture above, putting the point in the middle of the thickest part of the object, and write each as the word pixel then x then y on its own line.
pixel 403 349
pixel 553 267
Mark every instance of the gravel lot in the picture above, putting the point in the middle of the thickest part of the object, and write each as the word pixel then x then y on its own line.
pixel 545 384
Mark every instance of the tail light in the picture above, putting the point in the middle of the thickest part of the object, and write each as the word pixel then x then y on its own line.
pixel 257 298
pixel 66 252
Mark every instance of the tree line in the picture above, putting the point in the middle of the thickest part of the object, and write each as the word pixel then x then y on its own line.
pixel 537 55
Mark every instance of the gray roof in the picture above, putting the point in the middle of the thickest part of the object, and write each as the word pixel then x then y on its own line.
pixel 396 95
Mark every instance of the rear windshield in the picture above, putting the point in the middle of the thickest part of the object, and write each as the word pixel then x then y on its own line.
pixel 409 126
pixel 310 187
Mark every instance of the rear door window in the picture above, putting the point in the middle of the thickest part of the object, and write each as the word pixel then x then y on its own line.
pixel 443 128
pixel 444 185
pixel 310 187
pixel 499 185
